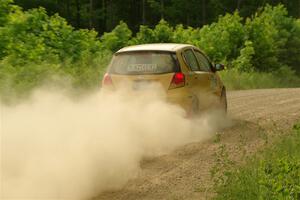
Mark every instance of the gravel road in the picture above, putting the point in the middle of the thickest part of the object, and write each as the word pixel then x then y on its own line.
pixel 258 116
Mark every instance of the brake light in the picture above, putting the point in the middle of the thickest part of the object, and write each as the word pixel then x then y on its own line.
pixel 107 79
pixel 178 80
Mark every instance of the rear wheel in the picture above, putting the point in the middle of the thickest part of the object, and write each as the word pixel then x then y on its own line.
pixel 223 100
pixel 195 107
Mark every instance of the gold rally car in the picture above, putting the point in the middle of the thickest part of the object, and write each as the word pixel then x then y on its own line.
pixel 185 73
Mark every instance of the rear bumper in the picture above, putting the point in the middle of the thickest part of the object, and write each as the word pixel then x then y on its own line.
pixel 177 96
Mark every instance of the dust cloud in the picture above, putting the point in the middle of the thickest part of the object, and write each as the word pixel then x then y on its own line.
pixel 55 147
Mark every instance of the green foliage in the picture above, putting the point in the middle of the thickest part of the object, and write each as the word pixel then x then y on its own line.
pixel 162 33
pixel 222 40
pixel 261 52
pixel 291 55
pixel 17 81
pixel 5 8
pixel 280 179
pixel 188 35
pixel 104 15
pixel 33 36
pixel 116 39
pixel 35 48
pixel 269 31
pixel 235 79
pixel 144 36
pixel 275 175
pixel 244 61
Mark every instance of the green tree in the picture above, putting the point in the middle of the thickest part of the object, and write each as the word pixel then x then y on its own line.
pixel 222 40
pixel 269 31
pixel 244 61
pixel 291 56
pixel 187 35
pixel 117 38
pixel 145 35
pixel 5 8
pixel 163 32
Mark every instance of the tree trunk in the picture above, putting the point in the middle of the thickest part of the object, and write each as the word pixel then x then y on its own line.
pixel 68 9
pixel 109 15
pixel 203 12
pixel 162 9
pixel 238 4
pixel 188 19
pixel 103 18
pixel 144 12
pixel 91 14
pixel 78 17
pixel 110 19
pixel 299 8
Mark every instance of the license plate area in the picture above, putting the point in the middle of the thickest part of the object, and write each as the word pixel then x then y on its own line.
pixel 142 84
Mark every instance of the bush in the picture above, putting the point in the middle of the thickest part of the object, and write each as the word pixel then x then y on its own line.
pixel 19 81
pixel 162 33
pixel 35 48
pixel 144 36
pixel 280 179
pixel 188 35
pixel 291 56
pixel 235 79
pixel 269 31
pixel 243 63
pixel 222 40
pixel 275 175
pixel 33 36
pixel 5 8
pixel 117 38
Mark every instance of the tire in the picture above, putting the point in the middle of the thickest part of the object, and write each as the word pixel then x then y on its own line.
pixel 223 101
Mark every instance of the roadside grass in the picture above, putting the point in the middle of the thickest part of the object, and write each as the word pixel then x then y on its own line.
pixel 237 80
pixel 272 174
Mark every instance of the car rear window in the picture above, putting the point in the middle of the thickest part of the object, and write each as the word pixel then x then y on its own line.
pixel 144 63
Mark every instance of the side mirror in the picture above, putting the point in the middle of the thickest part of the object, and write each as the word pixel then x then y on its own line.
pixel 219 67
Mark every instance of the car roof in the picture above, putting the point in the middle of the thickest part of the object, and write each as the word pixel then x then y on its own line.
pixel 172 47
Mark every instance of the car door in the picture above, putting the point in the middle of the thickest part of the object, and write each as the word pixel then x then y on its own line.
pixel 199 80
pixel 206 65
pixel 213 81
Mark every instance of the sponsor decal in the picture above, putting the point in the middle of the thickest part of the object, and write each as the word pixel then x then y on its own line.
pixel 142 68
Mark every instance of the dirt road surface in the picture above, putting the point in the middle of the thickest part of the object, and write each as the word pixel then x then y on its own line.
pixel 258 117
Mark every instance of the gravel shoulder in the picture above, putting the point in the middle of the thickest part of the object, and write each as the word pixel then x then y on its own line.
pixel 185 173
